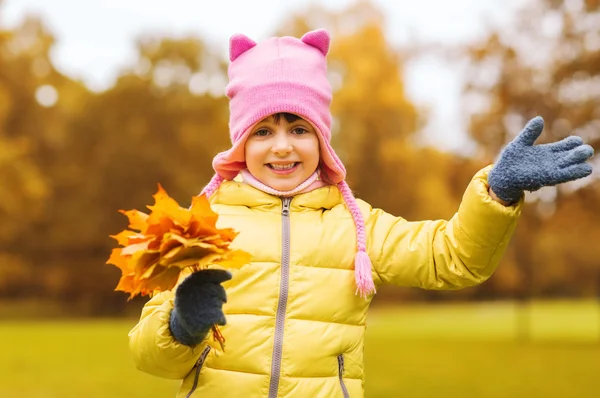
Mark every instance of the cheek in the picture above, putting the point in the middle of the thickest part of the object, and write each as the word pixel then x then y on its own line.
pixel 314 150
pixel 250 154
pixel 252 149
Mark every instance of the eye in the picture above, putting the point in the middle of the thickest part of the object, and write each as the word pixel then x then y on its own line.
pixel 261 132
pixel 300 130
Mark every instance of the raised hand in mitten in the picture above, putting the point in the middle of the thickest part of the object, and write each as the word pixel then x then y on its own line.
pixel 523 166
pixel 198 306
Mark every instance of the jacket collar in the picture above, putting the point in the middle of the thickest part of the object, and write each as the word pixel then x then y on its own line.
pixel 236 193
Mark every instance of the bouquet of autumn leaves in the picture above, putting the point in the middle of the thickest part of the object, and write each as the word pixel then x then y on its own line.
pixel 159 245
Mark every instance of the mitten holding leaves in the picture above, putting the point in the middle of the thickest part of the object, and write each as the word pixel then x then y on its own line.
pixel 198 306
pixel 523 166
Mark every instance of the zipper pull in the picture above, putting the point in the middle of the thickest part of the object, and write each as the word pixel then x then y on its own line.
pixel 286 207
pixel 203 356
pixel 341 364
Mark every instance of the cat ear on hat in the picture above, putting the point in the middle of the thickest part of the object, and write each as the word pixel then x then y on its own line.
pixel 319 39
pixel 239 44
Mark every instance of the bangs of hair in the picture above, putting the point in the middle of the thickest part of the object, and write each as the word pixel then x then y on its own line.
pixel 289 117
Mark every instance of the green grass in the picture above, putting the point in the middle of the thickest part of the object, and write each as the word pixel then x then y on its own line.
pixel 483 351
pixel 413 351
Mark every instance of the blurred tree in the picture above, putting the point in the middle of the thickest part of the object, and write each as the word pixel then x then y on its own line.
pixel 70 158
pixel 548 64
pixel 22 187
pixel 153 126
pixel 35 103
pixel 162 122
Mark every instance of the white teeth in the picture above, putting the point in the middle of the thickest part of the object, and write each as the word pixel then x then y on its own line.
pixel 282 167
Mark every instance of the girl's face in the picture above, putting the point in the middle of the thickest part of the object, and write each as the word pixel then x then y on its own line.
pixel 282 151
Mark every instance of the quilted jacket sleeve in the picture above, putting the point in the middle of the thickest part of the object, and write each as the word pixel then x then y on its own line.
pixel 152 346
pixel 463 251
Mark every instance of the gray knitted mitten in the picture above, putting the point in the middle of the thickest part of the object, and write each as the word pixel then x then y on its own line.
pixel 198 306
pixel 523 166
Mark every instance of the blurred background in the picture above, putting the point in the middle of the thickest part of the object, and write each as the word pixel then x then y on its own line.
pixel 100 102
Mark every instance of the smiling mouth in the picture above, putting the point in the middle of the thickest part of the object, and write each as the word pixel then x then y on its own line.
pixel 288 166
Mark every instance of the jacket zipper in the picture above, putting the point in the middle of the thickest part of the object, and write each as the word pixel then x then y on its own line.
pixel 341 375
pixel 199 365
pixel 283 296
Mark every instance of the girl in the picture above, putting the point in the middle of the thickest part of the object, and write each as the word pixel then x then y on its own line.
pixel 295 317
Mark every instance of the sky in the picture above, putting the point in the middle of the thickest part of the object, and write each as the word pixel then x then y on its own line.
pixel 96 38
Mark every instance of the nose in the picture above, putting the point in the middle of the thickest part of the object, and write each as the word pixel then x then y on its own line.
pixel 282 145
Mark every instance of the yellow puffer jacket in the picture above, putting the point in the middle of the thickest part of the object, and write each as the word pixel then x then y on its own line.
pixel 295 326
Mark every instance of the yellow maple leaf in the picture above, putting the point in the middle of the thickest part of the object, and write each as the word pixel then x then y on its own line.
pixel 158 246
pixel 137 219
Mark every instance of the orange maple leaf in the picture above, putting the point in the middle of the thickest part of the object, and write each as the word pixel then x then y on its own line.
pixel 158 246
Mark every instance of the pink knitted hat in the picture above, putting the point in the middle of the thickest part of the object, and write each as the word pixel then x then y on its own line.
pixel 286 74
